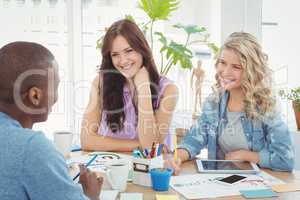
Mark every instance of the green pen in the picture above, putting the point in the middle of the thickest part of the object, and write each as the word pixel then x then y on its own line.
pixel 142 152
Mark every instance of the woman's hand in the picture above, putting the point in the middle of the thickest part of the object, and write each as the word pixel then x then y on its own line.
pixel 243 155
pixel 173 164
pixel 170 162
pixel 141 79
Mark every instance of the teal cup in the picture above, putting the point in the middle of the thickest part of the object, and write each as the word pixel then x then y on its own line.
pixel 160 178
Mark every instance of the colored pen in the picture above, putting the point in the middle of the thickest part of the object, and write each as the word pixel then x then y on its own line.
pixel 146 152
pixel 76 149
pixel 136 153
pixel 90 162
pixel 175 146
pixel 160 148
pixel 156 149
pixel 152 150
pixel 142 152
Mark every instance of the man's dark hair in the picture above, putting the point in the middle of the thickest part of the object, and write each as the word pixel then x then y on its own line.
pixel 16 58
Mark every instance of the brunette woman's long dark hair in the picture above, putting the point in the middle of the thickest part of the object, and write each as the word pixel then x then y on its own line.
pixel 114 81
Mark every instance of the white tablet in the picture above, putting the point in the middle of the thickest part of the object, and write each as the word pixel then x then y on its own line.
pixel 227 166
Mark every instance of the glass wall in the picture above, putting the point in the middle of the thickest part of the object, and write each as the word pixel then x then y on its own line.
pixel 280 38
pixel 70 29
pixel 43 22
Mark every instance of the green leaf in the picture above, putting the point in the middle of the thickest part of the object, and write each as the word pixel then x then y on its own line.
pixel 190 29
pixel 158 9
pixel 213 47
pixel 130 18
pixel 181 54
pixel 162 38
pixel 293 94
pixel 99 42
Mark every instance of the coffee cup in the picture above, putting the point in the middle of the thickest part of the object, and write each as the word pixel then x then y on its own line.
pixel 63 142
pixel 117 174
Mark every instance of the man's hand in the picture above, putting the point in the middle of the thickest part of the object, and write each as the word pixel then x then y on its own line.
pixel 90 183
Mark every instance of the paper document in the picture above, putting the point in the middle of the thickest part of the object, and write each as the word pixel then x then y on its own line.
pixel 109 194
pixel 204 185
pixel 131 196
pixel 98 164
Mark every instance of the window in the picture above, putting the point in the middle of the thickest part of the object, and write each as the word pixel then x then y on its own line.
pixel 280 39
pixel 70 30
pixel 43 22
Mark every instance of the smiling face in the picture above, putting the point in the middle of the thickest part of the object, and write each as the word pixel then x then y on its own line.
pixel 229 70
pixel 125 59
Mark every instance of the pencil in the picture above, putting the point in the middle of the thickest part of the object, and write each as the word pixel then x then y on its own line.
pixel 76 149
pixel 175 146
pixel 90 162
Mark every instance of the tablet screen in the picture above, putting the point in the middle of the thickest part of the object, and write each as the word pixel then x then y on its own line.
pixel 225 165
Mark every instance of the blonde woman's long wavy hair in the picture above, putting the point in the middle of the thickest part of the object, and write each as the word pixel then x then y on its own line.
pixel 256 81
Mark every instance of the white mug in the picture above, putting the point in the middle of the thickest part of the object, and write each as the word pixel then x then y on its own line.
pixel 117 174
pixel 63 142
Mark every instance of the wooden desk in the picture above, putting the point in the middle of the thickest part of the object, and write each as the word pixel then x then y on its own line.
pixel 190 168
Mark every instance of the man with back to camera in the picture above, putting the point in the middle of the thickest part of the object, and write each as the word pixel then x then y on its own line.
pixel 30 166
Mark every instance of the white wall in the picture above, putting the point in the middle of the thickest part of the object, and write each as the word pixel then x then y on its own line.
pixel 205 13
pixel 241 15
pixel 281 42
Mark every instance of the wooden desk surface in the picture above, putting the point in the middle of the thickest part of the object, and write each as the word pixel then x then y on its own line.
pixel 190 168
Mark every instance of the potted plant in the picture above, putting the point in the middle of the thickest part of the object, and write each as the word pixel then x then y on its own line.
pixel 294 96
pixel 171 52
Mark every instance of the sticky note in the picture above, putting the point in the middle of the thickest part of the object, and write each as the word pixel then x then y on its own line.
pixel 131 196
pixel 166 197
pixel 264 193
pixel 289 187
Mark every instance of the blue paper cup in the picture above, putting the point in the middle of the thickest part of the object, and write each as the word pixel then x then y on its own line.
pixel 160 178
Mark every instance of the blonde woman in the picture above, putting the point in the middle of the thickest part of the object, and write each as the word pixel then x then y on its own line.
pixel 241 122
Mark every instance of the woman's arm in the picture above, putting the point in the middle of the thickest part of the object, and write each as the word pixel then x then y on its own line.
pixel 278 152
pixel 163 115
pixel 90 140
pixel 242 154
pixel 197 136
pixel 153 127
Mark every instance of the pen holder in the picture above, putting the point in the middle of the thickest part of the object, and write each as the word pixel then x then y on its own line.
pixel 160 178
pixel 142 167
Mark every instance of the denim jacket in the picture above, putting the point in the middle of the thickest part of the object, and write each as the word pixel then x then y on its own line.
pixel 269 136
